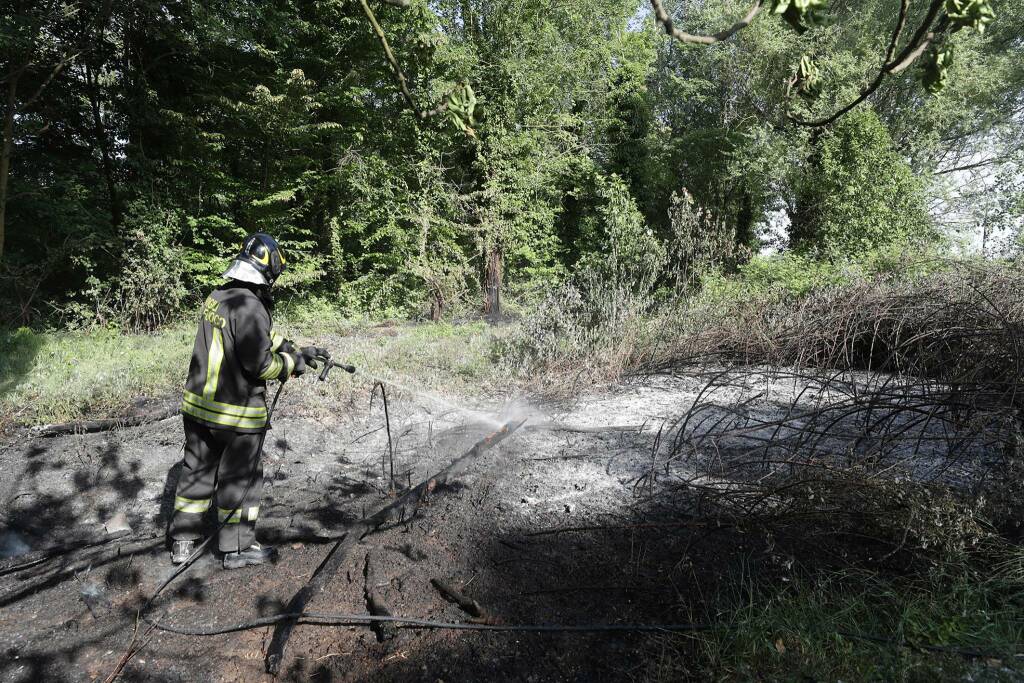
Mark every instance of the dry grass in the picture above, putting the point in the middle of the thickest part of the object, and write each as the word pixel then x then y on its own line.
pixel 885 374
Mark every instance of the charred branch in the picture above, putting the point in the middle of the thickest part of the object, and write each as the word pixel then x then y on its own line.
pixel 395 511
pixel 452 594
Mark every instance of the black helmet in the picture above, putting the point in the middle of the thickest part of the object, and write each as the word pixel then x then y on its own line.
pixel 263 253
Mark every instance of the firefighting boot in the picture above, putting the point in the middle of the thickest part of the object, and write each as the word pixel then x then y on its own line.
pixel 253 555
pixel 181 551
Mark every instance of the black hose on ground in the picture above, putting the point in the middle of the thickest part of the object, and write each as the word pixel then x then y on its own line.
pixel 330 619
pixel 341 620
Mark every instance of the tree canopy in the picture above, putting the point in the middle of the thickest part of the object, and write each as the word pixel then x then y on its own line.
pixel 419 156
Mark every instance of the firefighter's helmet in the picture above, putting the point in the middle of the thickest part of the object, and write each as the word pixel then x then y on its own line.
pixel 260 261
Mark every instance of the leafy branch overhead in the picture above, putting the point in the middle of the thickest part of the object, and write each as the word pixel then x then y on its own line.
pixel 941 18
pixel 459 103
pixel 800 14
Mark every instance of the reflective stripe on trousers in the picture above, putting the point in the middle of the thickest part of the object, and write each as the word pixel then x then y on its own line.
pixel 235 516
pixel 192 505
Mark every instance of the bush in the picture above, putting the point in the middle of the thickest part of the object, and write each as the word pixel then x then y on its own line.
pixel 699 244
pixel 857 194
pixel 149 288
pixel 625 252
pixel 589 327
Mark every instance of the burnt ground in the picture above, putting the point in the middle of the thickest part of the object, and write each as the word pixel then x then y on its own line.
pixel 562 523
pixel 503 531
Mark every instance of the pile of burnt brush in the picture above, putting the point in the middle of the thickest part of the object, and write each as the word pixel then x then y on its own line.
pixel 888 411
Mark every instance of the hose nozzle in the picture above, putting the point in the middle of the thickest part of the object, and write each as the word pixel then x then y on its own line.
pixel 328 364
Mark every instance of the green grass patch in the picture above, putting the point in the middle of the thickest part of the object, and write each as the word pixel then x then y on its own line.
pixel 62 376
pixel 451 361
pixel 957 623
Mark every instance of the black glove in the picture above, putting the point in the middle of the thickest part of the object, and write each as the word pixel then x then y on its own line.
pixel 298 368
pixel 300 364
pixel 311 354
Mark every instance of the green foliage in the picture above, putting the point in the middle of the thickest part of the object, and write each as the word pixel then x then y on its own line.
pixel 800 14
pixel 625 252
pixel 849 625
pixel 936 69
pixel 973 13
pixel 149 288
pixel 699 243
pixel 858 193
pixel 791 275
pixel 186 126
pixel 460 106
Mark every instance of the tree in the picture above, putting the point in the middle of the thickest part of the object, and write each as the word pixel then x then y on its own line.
pixel 352 131
pixel 40 41
pixel 857 194
pixel 942 17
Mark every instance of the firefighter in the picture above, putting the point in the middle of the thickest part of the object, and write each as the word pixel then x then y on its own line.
pixel 225 410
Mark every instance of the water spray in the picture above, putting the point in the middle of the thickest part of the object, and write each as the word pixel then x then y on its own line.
pixel 428 396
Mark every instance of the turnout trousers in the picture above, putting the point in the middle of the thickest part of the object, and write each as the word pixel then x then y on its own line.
pixel 221 468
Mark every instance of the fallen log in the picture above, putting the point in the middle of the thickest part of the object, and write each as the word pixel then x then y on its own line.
pixel 104 425
pixel 395 510
pixel 36 557
pixel 451 594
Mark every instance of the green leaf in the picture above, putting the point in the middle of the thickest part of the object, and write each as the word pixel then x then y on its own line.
pixel 974 14
pixel 936 69
pixel 801 14
pixel 280 197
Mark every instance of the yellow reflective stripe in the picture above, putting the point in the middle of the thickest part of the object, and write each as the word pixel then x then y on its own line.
pixel 194 505
pixel 236 515
pixel 213 363
pixel 274 369
pixel 275 341
pixel 229 516
pixel 222 419
pixel 290 362
pixel 225 408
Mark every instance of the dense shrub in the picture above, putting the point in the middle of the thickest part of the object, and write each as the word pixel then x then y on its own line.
pixel 857 193
pixel 152 283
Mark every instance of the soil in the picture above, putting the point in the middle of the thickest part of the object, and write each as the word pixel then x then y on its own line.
pixel 553 526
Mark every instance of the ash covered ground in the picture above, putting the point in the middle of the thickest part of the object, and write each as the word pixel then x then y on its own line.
pixel 580 517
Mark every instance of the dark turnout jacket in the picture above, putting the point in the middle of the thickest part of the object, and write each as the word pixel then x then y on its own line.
pixel 235 353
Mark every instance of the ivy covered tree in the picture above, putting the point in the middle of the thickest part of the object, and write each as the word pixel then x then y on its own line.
pixel 857 194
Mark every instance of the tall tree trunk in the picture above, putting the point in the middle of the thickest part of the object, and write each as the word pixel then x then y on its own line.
pixel 492 282
pixel 5 155
pixel 436 306
pixel 100 133
pixel 468 20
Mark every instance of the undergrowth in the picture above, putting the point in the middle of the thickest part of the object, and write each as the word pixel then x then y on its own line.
pixel 959 621
pixel 49 377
